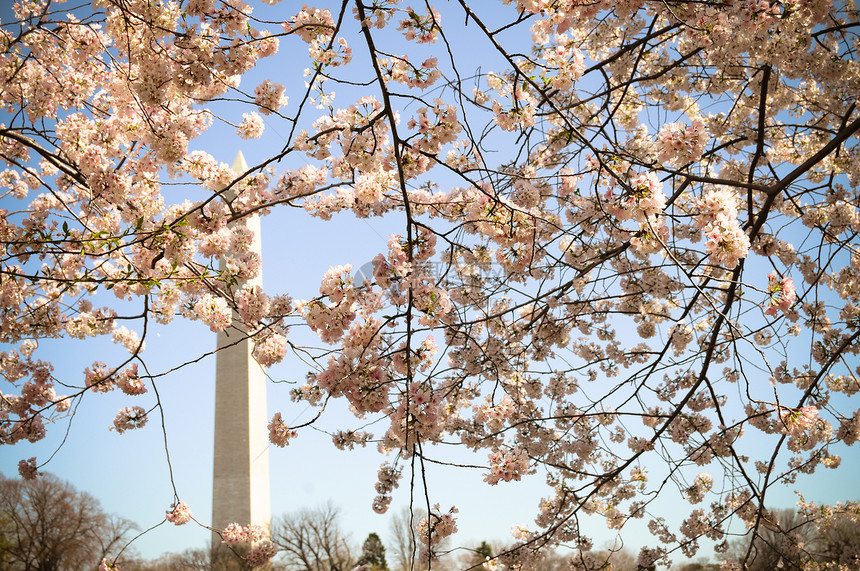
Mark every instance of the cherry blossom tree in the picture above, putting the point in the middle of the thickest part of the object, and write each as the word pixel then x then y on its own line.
pixel 627 258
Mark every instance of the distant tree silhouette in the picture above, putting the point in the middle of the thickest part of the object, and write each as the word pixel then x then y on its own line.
pixel 407 551
pixel 839 543
pixel 48 525
pixel 312 540
pixel 793 541
pixel 192 559
pixel 405 543
pixel 700 566
pixel 618 559
pixel 783 540
pixel 484 549
pixel 373 554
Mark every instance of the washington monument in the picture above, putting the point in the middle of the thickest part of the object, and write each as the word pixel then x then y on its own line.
pixel 240 491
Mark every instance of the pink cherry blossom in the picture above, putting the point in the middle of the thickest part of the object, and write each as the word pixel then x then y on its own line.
pixel 798 420
pixel 270 349
pixel 179 513
pixel 28 469
pixel 782 294
pixel 422 28
pixel 213 311
pixel 129 418
pixel 234 534
pixel 507 465
pixel 437 526
pixel 279 433
pixel 726 245
pixel 261 554
pixel 252 126
pixel 254 536
pixel 270 98
pixel 128 339
pixel 682 144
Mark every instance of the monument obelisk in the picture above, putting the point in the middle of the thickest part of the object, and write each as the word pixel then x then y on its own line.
pixel 240 491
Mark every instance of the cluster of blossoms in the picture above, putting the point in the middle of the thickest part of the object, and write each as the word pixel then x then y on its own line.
pixel 682 144
pixel 90 321
pixel 338 54
pixel 128 339
pixel 726 242
pixel 797 421
pixel 681 337
pixel 702 484
pixel 422 28
pixel 279 433
pixel 399 69
pixel 433 302
pixel 419 416
pixel 419 359
pixel 521 112
pixel 251 127
pixel 361 374
pixel 270 349
pixel 849 429
pixel 520 532
pixel 261 549
pixel 507 465
pixel 252 303
pixel 349 439
pixel 495 415
pixel 311 24
pixel 179 513
pixel 99 378
pixel 235 534
pixel 435 132
pixel 330 321
pixel 213 311
pixel 261 554
pixel 781 292
pixel 129 418
pixel 127 380
pixel 28 469
pixel 641 199
pixel 698 525
pixel 727 245
pixel 566 61
pixel 437 526
pixel 387 480
pixel 648 557
pixel 316 28
pixel 37 396
pixel 269 98
pixel 301 182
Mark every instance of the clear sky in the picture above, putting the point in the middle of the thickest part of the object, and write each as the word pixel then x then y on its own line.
pixel 129 473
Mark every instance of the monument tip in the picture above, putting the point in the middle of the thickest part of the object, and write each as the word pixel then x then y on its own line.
pixel 239 164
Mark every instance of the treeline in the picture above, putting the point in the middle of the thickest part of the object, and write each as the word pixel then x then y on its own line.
pixel 48 525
